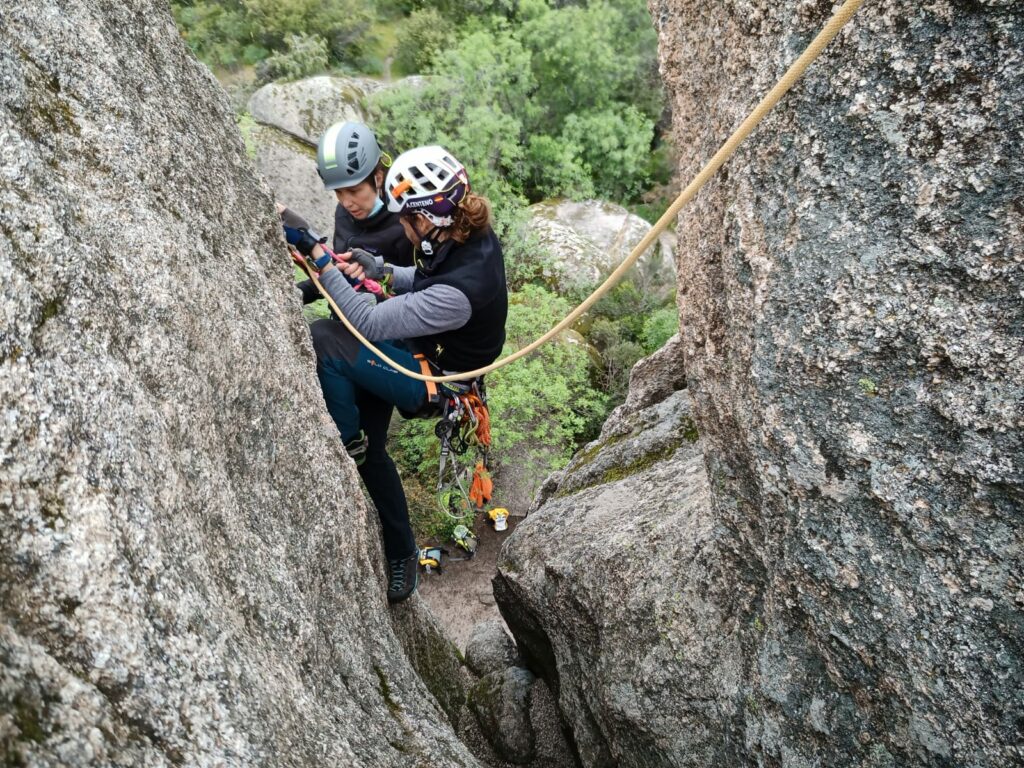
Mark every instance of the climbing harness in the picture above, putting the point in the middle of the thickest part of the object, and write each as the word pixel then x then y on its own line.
pixel 795 71
pixel 464 423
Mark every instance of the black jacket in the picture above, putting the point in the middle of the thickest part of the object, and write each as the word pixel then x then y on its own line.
pixel 380 234
pixel 477 268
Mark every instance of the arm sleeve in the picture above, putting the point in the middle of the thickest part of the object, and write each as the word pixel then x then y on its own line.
pixel 432 310
pixel 401 280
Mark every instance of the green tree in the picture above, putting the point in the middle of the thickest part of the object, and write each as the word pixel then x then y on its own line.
pixel 306 55
pixel 545 398
pixel 575 61
pixel 218 33
pixel 342 23
pixel 627 324
pixel 556 168
pixel 539 109
pixel 418 40
pixel 614 143
pixel 232 32
pixel 472 104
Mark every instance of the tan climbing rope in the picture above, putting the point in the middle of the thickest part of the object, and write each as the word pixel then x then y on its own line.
pixel 828 32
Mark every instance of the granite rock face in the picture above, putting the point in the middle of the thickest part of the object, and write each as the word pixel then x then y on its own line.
pixel 306 108
pixel 851 291
pixel 490 649
pixel 188 572
pixel 289 168
pixel 838 580
pixel 501 703
pixel 605 587
pixel 501 712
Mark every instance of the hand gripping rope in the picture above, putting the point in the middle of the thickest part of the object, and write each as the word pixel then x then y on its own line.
pixel 795 71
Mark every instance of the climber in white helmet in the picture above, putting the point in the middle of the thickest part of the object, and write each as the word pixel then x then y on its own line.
pixel 449 309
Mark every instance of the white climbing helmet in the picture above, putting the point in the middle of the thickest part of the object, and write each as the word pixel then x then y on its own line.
pixel 428 181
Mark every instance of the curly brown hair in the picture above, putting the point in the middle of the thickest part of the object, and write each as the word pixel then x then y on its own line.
pixel 472 215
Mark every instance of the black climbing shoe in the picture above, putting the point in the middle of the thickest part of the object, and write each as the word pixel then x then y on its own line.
pixel 402 577
pixel 357 446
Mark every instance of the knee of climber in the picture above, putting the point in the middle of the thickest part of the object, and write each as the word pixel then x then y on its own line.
pixel 333 341
pixel 377 452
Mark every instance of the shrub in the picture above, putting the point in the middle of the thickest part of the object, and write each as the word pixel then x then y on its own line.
pixel 229 33
pixel 218 33
pixel 305 55
pixel 661 326
pixel 614 143
pixel 418 40
pixel 342 23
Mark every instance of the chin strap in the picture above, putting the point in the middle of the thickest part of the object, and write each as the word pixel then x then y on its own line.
pixel 430 242
pixel 431 251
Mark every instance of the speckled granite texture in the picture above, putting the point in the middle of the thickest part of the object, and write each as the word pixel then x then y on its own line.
pixel 844 585
pixel 188 572
pixel 852 294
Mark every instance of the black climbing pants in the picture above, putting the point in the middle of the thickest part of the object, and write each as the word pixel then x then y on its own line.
pixel 381 477
pixel 357 386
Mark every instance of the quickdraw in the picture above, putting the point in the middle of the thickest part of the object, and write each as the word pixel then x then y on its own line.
pixel 465 423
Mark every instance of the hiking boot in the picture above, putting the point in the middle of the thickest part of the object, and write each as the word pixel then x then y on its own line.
pixel 402 577
pixel 357 446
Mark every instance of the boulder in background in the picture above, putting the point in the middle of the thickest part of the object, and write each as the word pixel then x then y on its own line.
pixel 588 239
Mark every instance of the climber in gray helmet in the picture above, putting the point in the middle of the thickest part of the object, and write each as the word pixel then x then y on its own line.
pixel 350 164
pixel 346 155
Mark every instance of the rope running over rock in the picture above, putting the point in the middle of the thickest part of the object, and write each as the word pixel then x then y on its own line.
pixel 796 70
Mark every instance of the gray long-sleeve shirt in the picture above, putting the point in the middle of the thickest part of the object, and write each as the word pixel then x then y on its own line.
pixel 404 316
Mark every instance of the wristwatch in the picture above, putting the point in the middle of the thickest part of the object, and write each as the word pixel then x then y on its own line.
pixel 320 263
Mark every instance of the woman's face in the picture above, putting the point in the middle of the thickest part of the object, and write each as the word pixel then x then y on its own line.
pixel 360 199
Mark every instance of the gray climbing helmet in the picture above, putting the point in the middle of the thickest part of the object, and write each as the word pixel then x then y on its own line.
pixel 346 155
